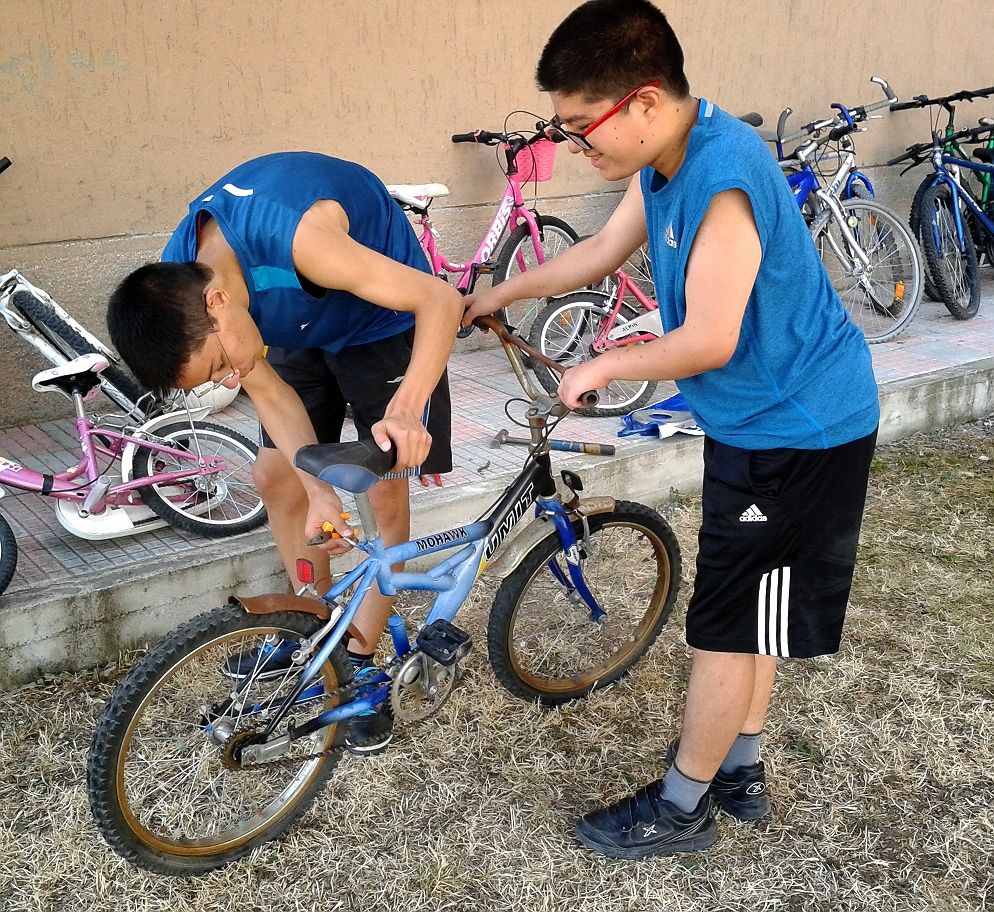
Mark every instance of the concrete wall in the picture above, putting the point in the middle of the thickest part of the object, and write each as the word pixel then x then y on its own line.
pixel 117 112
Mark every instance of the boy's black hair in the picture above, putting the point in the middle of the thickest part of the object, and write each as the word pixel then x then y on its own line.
pixel 157 319
pixel 607 48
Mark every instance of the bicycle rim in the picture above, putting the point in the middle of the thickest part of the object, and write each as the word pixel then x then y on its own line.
pixel 555 645
pixel 223 502
pixel 173 786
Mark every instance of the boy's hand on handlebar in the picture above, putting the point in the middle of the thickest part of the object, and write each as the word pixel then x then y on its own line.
pixel 324 509
pixel 579 380
pixel 482 303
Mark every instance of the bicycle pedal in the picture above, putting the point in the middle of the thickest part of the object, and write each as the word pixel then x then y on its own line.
pixel 444 642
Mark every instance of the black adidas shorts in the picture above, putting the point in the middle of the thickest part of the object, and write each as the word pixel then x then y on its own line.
pixel 777 548
pixel 365 377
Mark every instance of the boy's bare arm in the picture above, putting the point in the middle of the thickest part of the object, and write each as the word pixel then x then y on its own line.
pixel 721 272
pixel 324 253
pixel 580 265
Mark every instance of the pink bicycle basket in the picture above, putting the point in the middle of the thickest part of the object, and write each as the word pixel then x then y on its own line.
pixel 536 162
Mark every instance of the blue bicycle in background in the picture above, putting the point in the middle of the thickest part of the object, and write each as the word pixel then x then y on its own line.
pixel 190 769
pixel 951 221
pixel 870 254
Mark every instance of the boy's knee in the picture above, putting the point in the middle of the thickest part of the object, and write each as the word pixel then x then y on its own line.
pixel 274 479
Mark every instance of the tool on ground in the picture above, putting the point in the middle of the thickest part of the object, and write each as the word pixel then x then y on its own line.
pixel 566 446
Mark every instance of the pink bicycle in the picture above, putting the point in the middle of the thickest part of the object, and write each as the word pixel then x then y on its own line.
pixel 621 311
pixel 533 238
pixel 188 474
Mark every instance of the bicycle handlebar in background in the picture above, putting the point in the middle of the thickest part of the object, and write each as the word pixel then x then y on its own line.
pixel 923 101
pixel 5 163
pixel 856 114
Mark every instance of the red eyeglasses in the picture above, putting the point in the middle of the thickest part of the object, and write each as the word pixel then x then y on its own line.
pixel 558 133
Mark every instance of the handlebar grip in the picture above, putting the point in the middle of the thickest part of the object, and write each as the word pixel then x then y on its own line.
pixel 888 91
pixel 905 105
pixel 5 163
pixel 836 133
pixel 589 399
pixel 782 122
pixel 465 137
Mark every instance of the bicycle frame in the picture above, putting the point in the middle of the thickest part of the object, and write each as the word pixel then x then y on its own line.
pixel 67 486
pixel 511 211
pixel 960 193
pixel 452 578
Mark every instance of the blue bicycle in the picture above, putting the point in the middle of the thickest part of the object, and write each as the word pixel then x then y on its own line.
pixel 870 255
pixel 191 768
pixel 951 220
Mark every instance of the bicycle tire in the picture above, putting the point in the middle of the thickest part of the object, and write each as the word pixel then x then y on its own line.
pixel 627 395
pixel 135 832
pixel 915 223
pixel 8 554
pixel 194 513
pixel 895 274
pixel 560 236
pixel 68 341
pixel 954 272
pixel 640 578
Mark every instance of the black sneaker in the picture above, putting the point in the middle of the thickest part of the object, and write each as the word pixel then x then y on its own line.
pixel 369 733
pixel 645 825
pixel 741 793
pixel 372 731
pixel 268 660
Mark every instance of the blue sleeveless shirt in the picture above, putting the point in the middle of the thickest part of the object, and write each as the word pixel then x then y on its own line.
pixel 257 207
pixel 801 375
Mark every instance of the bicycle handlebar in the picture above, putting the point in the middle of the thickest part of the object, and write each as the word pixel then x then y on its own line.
pixel 842 120
pixel 484 137
pixel 5 163
pixel 923 101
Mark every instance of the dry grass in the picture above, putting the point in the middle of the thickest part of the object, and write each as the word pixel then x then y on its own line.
pixel 881 762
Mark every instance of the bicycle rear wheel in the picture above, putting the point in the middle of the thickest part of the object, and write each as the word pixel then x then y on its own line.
pixel 116 384
pixel 166 783
pixel 564 330
pixel 519 254
pixel 952 265
pixel 883 295
pixel 915 223
pixel 216 505
pixel 543 641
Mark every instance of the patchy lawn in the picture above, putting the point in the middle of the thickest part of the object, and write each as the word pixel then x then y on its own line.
pixel 881 761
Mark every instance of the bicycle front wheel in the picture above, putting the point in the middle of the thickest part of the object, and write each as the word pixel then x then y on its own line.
pixel 564 331
pixel 544 642
pixel 214 505
pixel 520 253
pixel 166 783
pixel 882 294
pixel 915 223
pixel 952 264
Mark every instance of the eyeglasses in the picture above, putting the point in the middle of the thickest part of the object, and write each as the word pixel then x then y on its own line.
pixel 217 384
pixel 558 133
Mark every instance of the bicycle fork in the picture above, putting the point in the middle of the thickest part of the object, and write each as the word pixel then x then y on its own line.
pixel 572 581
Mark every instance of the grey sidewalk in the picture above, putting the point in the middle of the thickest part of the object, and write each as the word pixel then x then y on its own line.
pixel 74 603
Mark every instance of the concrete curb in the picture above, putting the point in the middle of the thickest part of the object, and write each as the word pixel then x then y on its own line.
pixel 68 626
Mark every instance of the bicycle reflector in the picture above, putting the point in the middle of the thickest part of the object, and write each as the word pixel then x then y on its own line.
pixel 305 571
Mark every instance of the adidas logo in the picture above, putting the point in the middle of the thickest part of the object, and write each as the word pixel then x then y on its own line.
pixel 753 514
pixel 670 236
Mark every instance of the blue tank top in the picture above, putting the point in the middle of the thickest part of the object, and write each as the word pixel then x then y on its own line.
pixel 258 205
pixel 801 374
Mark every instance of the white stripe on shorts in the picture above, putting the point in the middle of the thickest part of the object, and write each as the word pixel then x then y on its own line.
pixel 772 609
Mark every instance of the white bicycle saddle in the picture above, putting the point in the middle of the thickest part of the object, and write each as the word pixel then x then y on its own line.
pixel 416 195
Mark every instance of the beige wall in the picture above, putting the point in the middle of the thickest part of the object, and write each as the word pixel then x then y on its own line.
pixel 118 111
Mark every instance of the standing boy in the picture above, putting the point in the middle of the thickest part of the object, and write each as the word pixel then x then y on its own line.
pixel 774 371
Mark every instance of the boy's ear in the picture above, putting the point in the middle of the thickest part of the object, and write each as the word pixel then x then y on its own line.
pixel 215 300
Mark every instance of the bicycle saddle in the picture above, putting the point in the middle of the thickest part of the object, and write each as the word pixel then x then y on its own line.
pixel 416 195
pixel 82 374
pixel 984 155
pixel 354 467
